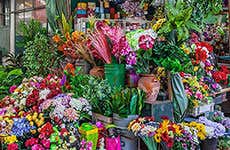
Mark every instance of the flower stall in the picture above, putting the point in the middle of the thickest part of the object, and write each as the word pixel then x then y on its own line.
pixel 118 75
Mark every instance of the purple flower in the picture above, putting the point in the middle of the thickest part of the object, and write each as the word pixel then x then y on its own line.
pixel 63 80
pixel 226 122
pixel 131 59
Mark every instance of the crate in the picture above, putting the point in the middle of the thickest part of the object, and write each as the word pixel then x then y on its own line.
pixel 159 109
pixel 202 109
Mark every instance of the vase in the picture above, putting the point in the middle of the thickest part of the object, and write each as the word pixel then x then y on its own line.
pixel 150 85
pixel 115 74
pixel 97 71
pixel 209 144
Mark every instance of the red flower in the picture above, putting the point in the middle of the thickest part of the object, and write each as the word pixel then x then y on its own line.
pixel 164 117
pixel 220 76
pixel 206 45
pixel 30 142
pixel 224 69
pixel 12 146
pixel 170 143
pixel 201 55
pixel 47 129
pixel 165 137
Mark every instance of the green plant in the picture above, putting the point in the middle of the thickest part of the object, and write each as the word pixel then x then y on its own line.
pixel 129 101
pixel 14 60
pixel 97 91
pixel 144 61
pixel 178 23
pixel 205 12
pixel 8 77
pixel 28 31
pixel 170 56
pixel 39 58
pixel 223 143
pixel 55 11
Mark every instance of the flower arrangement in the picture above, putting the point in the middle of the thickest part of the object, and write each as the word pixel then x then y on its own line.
pixel 213 129
pixel 110 42
pixel 197 92
pixel 221 76
pixel 198 129
pixel 74 45
pixel 167 131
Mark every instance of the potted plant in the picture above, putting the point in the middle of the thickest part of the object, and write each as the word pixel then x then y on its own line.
pixel 127 104
pixel 142 41
pixel 109 44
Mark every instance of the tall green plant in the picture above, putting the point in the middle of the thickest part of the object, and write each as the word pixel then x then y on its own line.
pixel 27 31
pixel 38 57
pixel 54 11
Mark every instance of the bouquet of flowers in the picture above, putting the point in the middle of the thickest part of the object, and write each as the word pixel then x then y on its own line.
pixel 197 92
pixel 213 129
pixel 145 128
pixel 197 129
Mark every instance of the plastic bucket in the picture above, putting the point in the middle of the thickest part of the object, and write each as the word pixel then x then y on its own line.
pixel 115 74
pixel 123 122
pixel 209 144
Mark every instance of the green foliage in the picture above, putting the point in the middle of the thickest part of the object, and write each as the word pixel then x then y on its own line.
pixel 14 60
pixel 8 77
pixel 97 91
pixel 204 12
pixel 171 57
pixel 178 22
pixel 28 32
pixel 129 101
pixel 54 11
pixel 39 58
pixel 223 143
pixel 144 60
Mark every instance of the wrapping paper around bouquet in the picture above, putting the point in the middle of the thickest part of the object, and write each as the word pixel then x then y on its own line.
pixel 89 133
pixel 113 143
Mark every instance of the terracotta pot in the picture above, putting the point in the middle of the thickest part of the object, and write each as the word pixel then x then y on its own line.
pixel 97 71
pixel 150 85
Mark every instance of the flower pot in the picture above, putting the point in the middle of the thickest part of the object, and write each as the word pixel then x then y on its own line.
pixel 150 85
pixel 123 122
pixel 97 71
pixel 115 74
pixel 209 144
pixel 104 119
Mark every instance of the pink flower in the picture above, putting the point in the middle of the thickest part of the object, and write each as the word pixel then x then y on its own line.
pixel 37 147
pixel 146 42
pixel 12 88
pixel 199 95
pixel 131 58
pixel 45 143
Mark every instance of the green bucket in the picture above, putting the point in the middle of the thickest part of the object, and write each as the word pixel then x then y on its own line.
pixel 115 74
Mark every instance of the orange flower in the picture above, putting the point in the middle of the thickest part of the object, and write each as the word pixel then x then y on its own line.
pixel 70 69
pixel 56 38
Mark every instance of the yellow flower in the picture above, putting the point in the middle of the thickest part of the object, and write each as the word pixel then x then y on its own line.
pixel 10 139
pixel 33 131
pixel 185 49
pixel 177 129
pixel 195 103
pixel 29 117
pixel 157 138
pixel 195 68
pixel 158 24
pixel 201 135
